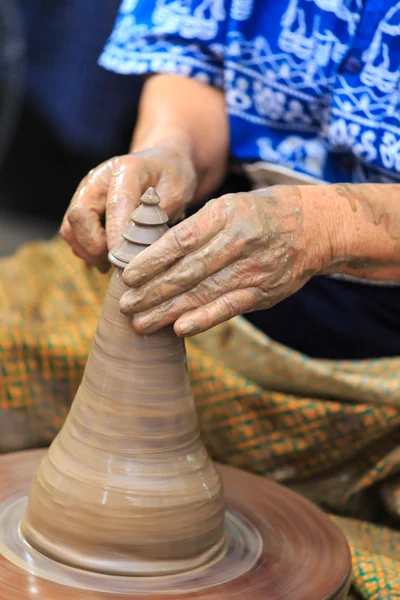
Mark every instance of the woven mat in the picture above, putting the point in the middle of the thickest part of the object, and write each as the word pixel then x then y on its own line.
pixel 329 429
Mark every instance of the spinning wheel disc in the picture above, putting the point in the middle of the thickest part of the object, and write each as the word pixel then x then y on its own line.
pixel 285 548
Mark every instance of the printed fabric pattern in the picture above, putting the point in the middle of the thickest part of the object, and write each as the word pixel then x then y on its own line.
pixel 310 84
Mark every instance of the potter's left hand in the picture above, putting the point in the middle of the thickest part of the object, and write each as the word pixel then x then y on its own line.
pixel 239 253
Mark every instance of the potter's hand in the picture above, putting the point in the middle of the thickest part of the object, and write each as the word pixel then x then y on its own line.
pixel 240 253
pixel 112 190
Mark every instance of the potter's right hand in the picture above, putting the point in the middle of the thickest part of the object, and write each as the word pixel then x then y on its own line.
pixel 110 192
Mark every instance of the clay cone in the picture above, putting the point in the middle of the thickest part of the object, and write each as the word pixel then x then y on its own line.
pixel 127 487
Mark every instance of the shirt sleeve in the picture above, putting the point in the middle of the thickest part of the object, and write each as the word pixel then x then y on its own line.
pixel 184 37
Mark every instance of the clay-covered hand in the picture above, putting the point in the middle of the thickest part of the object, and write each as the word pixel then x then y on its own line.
pixel 239 253
pixel 107 195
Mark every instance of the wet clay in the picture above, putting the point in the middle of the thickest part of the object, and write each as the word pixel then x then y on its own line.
pixel 127 487
pixel 304 556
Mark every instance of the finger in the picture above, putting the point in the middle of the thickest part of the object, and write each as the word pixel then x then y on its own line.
pixel 181 240
pixel 66 232
pixel 220 310
pixel 102 263
pixel 176 190
pixel 89 236
pixel 234 277
pixel 211 258
pixel 200 295
pixel 130 179
pixel 68 236
pixel 82 221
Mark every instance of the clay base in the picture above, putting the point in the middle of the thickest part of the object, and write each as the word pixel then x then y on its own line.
pixel 130 456
pixel 296 552
pixel 133 566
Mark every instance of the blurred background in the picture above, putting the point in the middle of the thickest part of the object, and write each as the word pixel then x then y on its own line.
pixel 60 113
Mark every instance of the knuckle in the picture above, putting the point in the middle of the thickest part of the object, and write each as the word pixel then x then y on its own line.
pixel 127 161
pixel 118 163
pixel 75 214
pixel 183 238
pixel 178 239
pixel 211 205
pixel 65 233
pixel 97 175
pixel 135 167
pixel 217 213
pixel 226 204
pixel 200 295
pixel 230 306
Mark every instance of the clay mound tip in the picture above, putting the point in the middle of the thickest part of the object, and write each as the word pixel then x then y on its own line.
pixel 149 212
pixel 150 197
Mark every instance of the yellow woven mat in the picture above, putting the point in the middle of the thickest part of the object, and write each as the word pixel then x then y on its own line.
pixel 329 429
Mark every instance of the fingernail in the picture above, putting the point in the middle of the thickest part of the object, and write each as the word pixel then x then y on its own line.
pixel 126 304
pixel 129 276
pixel 188 327
pixel 145 322
pixel 147 325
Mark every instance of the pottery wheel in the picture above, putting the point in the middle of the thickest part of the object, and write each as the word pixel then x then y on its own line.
pixel 282 548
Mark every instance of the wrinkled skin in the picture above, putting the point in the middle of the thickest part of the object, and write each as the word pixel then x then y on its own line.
pixel 239 253
pixel 112 190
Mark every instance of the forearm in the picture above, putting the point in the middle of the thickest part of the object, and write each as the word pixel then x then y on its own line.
pixel 362 222
pixel 190 115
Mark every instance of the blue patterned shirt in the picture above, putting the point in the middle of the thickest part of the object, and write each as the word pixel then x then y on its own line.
pixel 310 84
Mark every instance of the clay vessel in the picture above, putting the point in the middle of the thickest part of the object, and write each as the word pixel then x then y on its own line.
pixel 127 486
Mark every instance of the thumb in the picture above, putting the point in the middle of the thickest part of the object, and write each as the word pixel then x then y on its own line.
pixel 127 184
pixel 176 189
